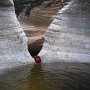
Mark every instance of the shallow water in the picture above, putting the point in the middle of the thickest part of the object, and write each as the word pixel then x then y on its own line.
pixel 58 76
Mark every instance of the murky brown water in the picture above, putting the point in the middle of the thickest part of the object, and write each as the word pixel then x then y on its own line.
pixel 58 76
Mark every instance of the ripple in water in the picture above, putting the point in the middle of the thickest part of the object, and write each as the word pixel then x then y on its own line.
pixel 57 76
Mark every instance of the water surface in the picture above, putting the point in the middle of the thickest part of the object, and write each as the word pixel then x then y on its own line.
pixel 58 76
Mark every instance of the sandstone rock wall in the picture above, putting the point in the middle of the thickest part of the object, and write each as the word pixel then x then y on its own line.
pixel 13 42
pixel 68 37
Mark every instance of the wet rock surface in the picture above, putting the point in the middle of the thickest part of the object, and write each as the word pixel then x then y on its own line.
pixel 68 37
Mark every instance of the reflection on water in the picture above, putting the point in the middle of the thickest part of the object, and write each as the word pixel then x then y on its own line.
pixel 58 76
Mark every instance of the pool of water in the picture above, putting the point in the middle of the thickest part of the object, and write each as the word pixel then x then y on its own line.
pixel 57 76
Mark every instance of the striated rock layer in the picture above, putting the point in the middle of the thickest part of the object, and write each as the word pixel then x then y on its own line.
pixel 68 37
pixel 13 42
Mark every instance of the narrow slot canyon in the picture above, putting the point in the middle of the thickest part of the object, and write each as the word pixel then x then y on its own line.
pixel 47 50
pixel 36 25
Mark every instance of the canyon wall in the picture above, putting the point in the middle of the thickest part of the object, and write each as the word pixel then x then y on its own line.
pixel 13 41
pixel 68 36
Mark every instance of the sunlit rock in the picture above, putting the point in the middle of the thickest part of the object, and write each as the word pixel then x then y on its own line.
pixel 68 37
pixel 13 42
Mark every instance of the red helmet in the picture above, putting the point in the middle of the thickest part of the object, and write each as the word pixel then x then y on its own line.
pixel 37 59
